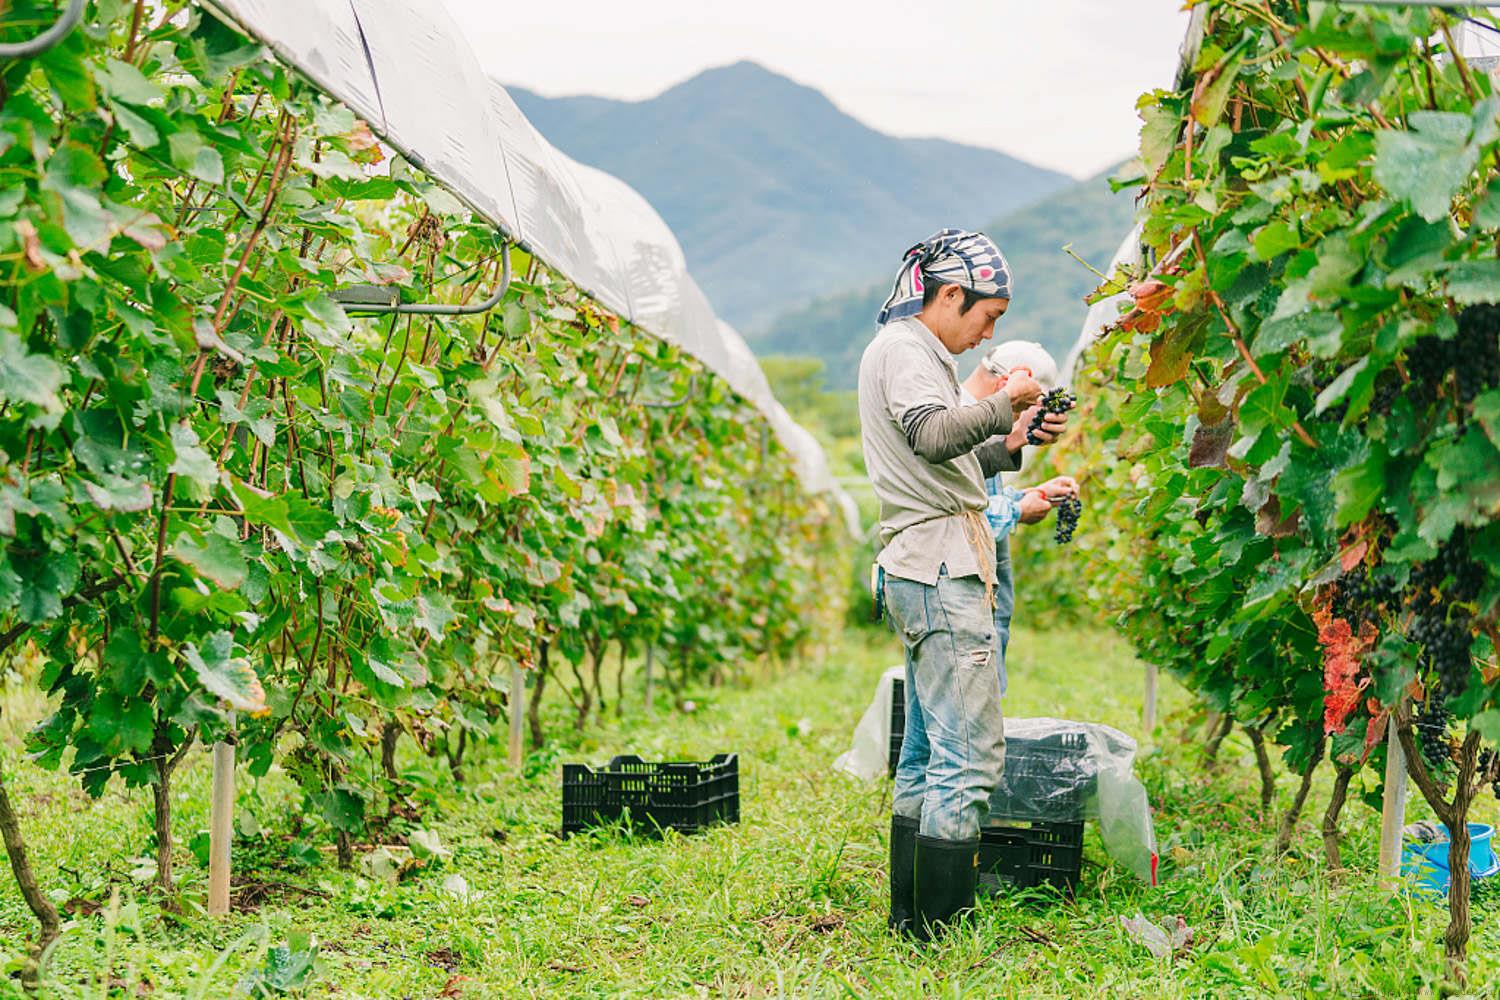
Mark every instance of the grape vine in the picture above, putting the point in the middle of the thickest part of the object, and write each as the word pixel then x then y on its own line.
pixel 1292 436
pixel 220 494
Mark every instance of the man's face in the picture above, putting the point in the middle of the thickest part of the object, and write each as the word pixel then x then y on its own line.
pixel 961 331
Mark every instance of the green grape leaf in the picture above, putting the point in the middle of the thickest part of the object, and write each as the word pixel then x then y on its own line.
pixel 218 558
pixel 225 675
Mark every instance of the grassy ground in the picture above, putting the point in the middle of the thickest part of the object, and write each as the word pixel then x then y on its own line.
pixel 789 902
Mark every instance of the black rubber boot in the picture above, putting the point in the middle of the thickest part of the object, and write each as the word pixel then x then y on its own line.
pixel 946 874
pixel 903 872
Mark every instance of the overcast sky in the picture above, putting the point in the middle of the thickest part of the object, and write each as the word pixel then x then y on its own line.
pixel 1051 81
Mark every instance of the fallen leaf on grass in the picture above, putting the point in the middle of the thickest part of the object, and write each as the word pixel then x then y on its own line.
pixel 80 907
pixel 557 965
pixel 827 922
pixel 637 900
pixel 1174 937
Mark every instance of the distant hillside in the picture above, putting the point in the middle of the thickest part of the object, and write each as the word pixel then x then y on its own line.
pixel 776 195
pixel 1050 285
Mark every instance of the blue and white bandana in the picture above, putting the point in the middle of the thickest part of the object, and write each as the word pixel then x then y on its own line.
pixel 949 257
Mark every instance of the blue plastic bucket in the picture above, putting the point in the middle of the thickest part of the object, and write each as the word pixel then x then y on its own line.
pixel 1427 863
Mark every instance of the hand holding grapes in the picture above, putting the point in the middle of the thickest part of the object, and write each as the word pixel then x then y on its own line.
pixel 1022 389
pixel 1035 506
pixel 1036 426
pixel 1037 502
pixel 1059 488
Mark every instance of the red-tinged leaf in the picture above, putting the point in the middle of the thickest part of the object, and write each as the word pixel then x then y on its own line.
pixel 1210 445
pixel 1354 554
pixel 1269 522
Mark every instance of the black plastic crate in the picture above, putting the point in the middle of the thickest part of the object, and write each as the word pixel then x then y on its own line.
pixel 1044 779
pixel 682 796
pixel 1034 854
pixel 898 722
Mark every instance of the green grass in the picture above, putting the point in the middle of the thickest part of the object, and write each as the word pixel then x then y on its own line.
pixel 789 902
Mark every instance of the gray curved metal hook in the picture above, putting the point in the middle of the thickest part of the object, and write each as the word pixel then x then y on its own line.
pixel 372 300
pixel 692 390
pixel 41 43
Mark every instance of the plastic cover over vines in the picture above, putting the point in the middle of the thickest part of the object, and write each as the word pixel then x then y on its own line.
pixel 219 492
pixel 1292 435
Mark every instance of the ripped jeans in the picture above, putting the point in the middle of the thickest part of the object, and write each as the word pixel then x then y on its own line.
pixel 954 748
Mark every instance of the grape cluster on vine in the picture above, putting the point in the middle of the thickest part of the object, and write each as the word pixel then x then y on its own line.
pixel 1057 400
pixel 1487 767
pixel 1440 623
pixel 1362 595
pixel 1476 351
pixel 1472 355
pixel 1067 519
pixel 1430 724
pixel 1387 389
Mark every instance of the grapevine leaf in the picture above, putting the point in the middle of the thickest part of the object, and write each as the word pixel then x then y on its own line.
pixel 1474 281
pixel 195 157
pixel 1427 166
pixel 1172 354
pixel 124 82
pixel 1336 389
pixel 218 558
pixel 342 808
pixel 1487 412
pixel 1159 135
pixel 1487 724
pixel 223 674
pixel 1210 445
pixel 191 462
pixel 1209 107
pixel 45 581
pixel 117 493
pixel 29 378
pixel 1276 238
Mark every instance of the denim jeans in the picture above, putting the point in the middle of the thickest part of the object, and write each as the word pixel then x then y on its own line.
pixel 1005 607
pixel 954 748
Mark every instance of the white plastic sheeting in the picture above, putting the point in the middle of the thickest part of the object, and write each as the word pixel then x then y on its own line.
pixel 409 71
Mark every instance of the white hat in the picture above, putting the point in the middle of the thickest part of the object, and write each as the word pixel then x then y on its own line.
pixel 1023 354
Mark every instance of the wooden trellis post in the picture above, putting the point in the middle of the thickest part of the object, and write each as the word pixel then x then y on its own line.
pixel 1148 703
pixel 1393 809
pixel 517 709
pixel 650 682
pixel 221 828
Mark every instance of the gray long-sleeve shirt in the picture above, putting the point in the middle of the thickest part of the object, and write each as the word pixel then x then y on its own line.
pixel 919 452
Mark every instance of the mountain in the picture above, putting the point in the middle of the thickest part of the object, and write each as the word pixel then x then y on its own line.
pixel 1050 285
pixel 776 195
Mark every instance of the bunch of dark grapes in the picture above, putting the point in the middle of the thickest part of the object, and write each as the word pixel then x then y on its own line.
pixel 1057 400
pixel 1361 596
pixel 1431 726
pixel 1387 390
pixel 1473 355
pixel 1476 351
pixel 1486 762
pixel 1440 625
pixel 1067 519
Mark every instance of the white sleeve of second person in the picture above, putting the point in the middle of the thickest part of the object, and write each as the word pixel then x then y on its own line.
pixel 1004 511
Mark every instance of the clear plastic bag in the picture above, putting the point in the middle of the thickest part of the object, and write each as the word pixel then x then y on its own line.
pixel 1056 771
pixel 1059 770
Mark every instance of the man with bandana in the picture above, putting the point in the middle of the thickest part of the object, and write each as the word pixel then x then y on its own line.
pixel 927 456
